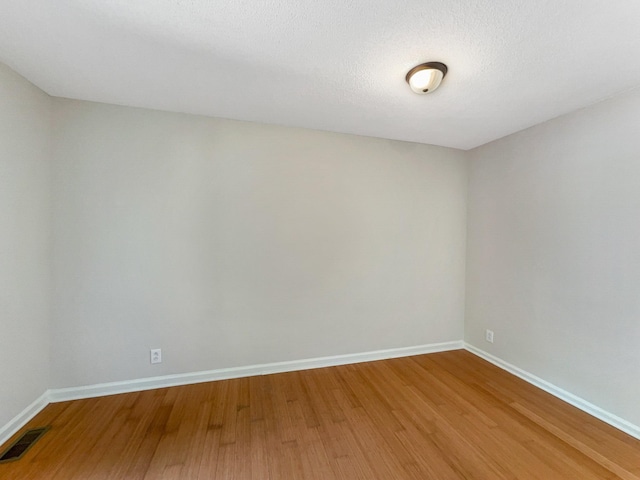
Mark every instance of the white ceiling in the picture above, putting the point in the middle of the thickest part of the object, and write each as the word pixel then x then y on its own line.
pixel 333 65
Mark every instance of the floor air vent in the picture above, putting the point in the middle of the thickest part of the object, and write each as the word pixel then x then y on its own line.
pixel 18 448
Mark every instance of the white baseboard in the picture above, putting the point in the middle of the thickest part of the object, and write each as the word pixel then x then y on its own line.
pixel 75 393
pixel 20 420
pixel 585 406
pixel 89 391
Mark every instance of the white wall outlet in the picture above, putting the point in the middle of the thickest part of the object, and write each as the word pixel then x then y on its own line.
pixel 156 355
pixel 488 336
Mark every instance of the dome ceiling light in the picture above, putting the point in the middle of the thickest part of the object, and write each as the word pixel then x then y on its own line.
pixel 426 77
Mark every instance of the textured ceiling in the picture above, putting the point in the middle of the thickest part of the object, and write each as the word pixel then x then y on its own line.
pixel 333 65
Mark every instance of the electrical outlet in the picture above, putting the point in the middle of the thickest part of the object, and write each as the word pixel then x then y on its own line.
pixel 489 336
pixel 156 355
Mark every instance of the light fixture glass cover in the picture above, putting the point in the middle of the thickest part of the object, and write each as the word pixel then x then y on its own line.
pixel 425 78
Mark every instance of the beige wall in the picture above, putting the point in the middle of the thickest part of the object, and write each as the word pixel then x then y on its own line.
pixel 553 262
pixel 24 244
pixel 229 243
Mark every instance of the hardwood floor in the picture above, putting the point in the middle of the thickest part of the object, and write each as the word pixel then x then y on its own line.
pixel 440 416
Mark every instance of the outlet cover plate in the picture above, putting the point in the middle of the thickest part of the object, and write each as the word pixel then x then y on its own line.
pixel 156 355
pixel 489 336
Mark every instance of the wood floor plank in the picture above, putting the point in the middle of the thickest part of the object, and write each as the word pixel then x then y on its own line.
pixel 443 416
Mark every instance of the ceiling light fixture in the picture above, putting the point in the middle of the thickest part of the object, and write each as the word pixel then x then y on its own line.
pixel 426 77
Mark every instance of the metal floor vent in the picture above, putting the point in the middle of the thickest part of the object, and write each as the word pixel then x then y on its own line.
pixel 18 448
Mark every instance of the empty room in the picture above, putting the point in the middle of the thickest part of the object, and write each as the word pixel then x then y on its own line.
pixel 333 240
